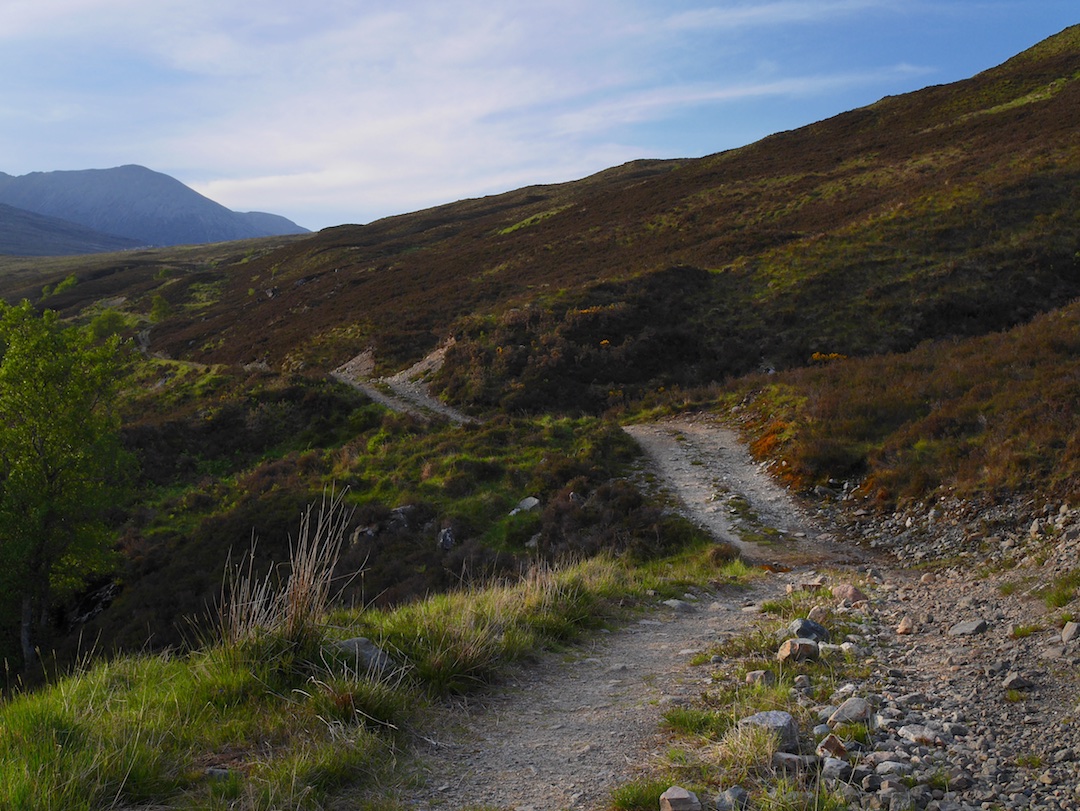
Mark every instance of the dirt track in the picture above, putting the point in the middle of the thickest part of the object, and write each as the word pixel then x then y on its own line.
pixel 564 733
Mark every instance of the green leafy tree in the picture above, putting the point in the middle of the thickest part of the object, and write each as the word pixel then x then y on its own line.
pixel 62 465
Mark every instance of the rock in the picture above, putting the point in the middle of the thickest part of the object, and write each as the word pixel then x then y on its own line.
pixel 733 799
pixel 788 763
pixel 853 711
pixel 968 628
pixel 808 629
pixel 1070 632
pixel 763 677
pixel 798 650
pixel 846 592
pixel 526 505
pixel 928 578
pixel 835 769
pixel 802 682
pixel 679 605
pixel 446 539
pixel 895 767
pixel 1014 681
pixel 917 733
pixel 906 626
pixel 366 656
pixel 782 723
pixel 818 613
pixel 677 798
pixel 831 746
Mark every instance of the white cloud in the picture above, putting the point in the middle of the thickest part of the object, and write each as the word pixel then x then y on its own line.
pixel 778 13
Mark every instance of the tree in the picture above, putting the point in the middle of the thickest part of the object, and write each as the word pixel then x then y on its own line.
pixel 62 465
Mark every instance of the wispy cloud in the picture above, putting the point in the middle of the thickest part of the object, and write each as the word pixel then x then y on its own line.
pixel 781 13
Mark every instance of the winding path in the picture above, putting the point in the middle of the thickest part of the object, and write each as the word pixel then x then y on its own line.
pixel 562 733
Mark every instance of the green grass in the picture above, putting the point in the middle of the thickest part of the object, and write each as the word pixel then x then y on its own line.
pixel 1062 590
pixel 638 795
pixel 291 724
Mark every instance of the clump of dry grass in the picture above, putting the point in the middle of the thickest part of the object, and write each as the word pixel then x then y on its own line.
pixel 253 606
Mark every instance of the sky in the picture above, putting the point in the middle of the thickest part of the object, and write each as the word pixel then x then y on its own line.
pixel 345 111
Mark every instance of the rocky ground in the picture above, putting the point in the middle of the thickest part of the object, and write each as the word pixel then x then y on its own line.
pixel 969 684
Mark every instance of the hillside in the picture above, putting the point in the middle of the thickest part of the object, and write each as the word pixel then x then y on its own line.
pixel 925 224
pixel 137 203
pixel 951 211
pixel 23 233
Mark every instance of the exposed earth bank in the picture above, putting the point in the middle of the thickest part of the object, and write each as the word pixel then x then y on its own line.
pixel 973 703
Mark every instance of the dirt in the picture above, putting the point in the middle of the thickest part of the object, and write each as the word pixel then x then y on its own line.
pixel 404 392
pixel 563 733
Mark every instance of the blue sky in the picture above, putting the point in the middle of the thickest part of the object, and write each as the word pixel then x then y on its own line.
pixel 349 110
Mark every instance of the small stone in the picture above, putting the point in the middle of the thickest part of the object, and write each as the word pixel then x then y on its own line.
pixel 916 733
pixel 365 655
pixel 928 578
pixel 526 505
pixel 1014 681
pixel 763 677
pixel 793 764
pixel 854 710
pixel 679 605
pixel 846 591
pixel 832 746
pixel 1070 632
pixel 802 682
pixel 798 650
pixel 906 626
pixel 968 628
pixel 808 629
pixel 733 799
pixel 835 769
pixel 818 613
pixel 782 723
pixel 677 798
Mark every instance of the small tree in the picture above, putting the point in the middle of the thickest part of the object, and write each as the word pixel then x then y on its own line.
pixel 61 461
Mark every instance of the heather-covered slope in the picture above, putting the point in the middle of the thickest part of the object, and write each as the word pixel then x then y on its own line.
pixel 947 212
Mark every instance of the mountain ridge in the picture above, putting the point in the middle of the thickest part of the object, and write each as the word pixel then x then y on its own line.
pixel 137 203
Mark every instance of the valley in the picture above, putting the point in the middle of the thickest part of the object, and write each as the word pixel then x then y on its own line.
pixel 585 452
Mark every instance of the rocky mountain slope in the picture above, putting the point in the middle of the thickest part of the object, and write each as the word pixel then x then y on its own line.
pixel 136 203
pixel 23 233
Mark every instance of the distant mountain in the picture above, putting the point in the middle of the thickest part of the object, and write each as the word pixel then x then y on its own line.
pixel 23 233
pixel 138 203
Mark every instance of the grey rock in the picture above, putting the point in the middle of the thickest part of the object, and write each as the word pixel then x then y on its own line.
pixel 916 733
pixel 526 505
pixel 679 605
pixel 968 628
pixel 853 711
pixel 894 767
pixel 1014 681
pixel 789 763
pixel 1070 632
pixel 733 799
pixel 782 723
pixel 835 769
pixel 365 655
pixel 677 798
pixel 808 629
